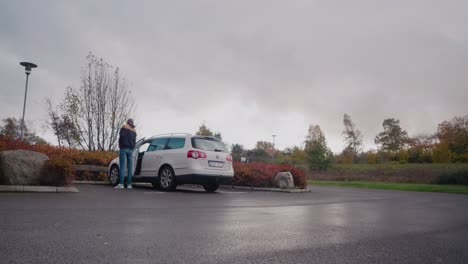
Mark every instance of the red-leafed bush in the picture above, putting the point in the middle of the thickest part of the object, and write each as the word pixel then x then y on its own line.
pixel 57 172
pixel 61 158
pixel 261 174
pixel 99 158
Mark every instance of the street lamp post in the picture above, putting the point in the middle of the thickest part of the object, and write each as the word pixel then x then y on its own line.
pixel 28 66
pixel 273 156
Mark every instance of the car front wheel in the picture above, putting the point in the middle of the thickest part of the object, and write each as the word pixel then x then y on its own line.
pixel 114 175
pixel 167 179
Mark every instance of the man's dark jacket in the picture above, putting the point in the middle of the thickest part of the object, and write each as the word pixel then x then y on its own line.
pixel 127 137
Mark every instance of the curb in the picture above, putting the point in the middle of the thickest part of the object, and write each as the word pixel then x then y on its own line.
pixel 222 186
pixel 92 182
pixel 38 189
pixel 267 189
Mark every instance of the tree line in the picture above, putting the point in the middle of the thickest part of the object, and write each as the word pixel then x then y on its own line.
pixel 449 144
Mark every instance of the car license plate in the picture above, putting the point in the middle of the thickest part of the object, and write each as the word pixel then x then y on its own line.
pixel 215 164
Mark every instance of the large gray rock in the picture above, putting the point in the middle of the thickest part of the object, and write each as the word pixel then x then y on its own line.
pixel 21 167
pixel 283 180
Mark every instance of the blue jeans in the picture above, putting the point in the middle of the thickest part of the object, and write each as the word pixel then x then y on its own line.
pixel 125 155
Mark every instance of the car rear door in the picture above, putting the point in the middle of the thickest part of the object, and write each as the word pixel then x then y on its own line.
pixel 174 153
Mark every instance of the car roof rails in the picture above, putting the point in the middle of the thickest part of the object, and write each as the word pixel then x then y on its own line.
pixel 172 134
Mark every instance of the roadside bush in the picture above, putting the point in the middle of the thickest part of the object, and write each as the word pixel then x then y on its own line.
pixel 459 178
pixel 258 174
pixel 99 158
pixel 57 172
pixel 65 156
pixel 300 179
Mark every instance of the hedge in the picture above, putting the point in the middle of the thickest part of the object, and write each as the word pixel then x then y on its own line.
pixel 59 168
pixel 57 171
pixel 82 157
pixel 258 174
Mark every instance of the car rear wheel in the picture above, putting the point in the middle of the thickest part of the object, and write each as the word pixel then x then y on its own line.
pixel 167 179
pixel 212 187
pixel 114 175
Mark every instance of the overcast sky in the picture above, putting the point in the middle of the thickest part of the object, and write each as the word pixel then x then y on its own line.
pixel 248 69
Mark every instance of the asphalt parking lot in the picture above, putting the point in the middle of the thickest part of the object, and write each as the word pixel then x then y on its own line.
pixel 327 225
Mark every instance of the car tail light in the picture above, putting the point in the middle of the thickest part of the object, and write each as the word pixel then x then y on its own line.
pixel 195 154
pixel 229 157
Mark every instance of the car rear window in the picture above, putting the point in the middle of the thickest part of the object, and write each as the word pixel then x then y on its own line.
pixel 208 144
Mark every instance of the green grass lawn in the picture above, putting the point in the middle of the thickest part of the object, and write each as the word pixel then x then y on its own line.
pixel 417 187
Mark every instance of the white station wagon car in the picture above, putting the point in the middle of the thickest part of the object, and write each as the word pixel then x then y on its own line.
pixel 169 160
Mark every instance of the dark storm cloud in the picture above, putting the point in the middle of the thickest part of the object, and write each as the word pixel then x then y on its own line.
pixel 370 59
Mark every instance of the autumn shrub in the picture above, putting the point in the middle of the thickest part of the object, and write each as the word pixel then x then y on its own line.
pixel 299 176
pixel 62 157
pixel 57 171
pixel 81 157
pixel 458 178
pixel 257 174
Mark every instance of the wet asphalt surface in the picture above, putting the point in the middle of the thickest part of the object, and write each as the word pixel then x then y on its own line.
pixel 328 225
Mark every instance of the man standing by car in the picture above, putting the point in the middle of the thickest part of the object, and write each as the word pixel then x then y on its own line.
pixel 127 138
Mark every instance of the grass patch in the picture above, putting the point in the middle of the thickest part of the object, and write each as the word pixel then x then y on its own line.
pixel 448 167
pixel 417 187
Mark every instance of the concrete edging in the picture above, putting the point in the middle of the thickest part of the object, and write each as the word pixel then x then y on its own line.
pixel 222 186
pixel 266 189
pixel 92 182
pixel 39 189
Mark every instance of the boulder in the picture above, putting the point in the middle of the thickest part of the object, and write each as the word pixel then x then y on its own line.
pixel 21 167
pixel 284 180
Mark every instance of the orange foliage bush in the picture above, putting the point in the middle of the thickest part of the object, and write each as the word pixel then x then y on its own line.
pixel 258 174
pixel 57 171
pixel 99 158
pixel 62 160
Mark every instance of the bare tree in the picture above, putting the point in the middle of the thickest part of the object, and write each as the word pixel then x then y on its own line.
pixel 54 120
pixel 121 106
pixel 352 136
pixel 99 107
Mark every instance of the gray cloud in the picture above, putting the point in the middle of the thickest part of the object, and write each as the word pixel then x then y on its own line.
pixel 275 63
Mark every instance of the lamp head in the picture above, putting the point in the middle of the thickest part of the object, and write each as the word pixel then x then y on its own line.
pixel 28 66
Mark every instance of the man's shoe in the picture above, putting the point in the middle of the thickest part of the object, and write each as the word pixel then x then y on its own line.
pixel 129 186
pixel 119 186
